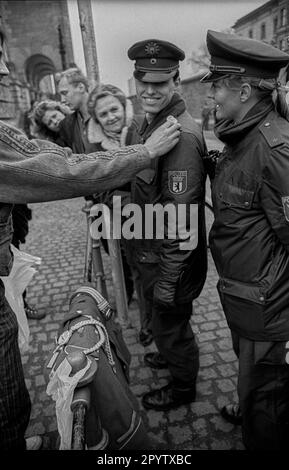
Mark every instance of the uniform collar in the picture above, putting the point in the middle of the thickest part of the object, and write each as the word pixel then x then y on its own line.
pixel 231 133
pixel 175 107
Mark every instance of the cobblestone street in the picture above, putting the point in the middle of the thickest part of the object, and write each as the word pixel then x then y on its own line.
pixel 57 234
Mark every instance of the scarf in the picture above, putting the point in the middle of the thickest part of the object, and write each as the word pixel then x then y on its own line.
pixel 175 107
pixel 231 133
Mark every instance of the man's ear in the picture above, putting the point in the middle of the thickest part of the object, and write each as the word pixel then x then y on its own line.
pixel 245 92
pixel 177 82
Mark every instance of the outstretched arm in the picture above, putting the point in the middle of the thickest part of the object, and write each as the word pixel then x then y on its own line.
pixel 37 171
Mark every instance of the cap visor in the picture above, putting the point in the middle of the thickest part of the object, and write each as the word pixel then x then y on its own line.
pixel 154 77
pixel 212 77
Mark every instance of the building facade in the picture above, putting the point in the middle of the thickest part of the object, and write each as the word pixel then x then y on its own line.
pixel 268 23
pixel 39 45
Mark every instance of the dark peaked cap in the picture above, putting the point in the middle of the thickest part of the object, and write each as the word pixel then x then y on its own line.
pixel 233 54
pixel 155 60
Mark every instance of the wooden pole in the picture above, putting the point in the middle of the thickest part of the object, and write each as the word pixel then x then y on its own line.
pixel 88 40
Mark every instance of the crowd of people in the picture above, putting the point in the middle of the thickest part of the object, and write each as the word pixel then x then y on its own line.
pixel 102 149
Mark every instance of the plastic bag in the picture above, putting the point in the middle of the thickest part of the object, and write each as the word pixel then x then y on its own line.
pixel 15 284
pixel 61 388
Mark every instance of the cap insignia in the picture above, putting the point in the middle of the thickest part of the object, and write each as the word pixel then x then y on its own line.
pixel 152 48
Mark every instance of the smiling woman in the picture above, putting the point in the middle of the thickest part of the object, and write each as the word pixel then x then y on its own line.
pixel 52 119
pixel 250 234
pixel 111 115
pixel 226 101
pixel 47 116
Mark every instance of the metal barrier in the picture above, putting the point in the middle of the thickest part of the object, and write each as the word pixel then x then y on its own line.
pixel 93 267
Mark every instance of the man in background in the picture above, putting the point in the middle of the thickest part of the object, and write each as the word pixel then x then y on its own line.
pixel 73 90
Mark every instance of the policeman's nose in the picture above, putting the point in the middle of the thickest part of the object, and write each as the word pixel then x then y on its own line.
pixel 3 68
pixel 150 89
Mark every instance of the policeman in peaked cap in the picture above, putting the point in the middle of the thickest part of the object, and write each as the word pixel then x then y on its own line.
pixel 249 238
pixel 236 55
pixel 155 60
pixel 171 277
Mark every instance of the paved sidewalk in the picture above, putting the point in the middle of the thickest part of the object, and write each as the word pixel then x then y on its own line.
pixel 57 234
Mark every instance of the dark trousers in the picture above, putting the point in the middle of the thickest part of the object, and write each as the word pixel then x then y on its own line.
pixel 263 389
pixel 15 403
pixel 175 340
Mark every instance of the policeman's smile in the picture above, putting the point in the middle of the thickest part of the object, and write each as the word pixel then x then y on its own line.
pixel 150 100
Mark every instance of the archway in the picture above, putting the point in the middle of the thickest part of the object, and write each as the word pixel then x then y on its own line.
pixel 38 67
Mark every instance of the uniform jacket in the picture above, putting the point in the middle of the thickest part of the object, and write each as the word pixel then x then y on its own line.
pixel 172 275
pixel 249 239
pixel 37 171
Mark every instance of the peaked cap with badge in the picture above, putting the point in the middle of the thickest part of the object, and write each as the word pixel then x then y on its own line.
pixel 232 54
pixel 155 60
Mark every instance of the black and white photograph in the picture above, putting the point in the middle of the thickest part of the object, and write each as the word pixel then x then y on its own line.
pixel 144 228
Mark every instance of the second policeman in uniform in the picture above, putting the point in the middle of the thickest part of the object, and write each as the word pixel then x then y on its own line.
pixel 171 276
pixel 249 238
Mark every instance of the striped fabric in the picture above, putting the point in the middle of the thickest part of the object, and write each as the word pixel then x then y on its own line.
pixel 15 403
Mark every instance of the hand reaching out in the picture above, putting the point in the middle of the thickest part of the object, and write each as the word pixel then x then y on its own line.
pixel 164 138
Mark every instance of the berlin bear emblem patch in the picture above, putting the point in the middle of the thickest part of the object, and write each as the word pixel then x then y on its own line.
pixel 178 182
pixel 285 202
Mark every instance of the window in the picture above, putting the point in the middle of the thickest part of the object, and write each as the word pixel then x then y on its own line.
pixel 275 24
pixel 282 17
pixel 250 33
pixel 282 44
pixel 263 31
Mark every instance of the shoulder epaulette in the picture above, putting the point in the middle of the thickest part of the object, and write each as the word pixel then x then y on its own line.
pixel 272 133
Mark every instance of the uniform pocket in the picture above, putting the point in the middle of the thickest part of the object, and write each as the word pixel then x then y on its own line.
pixel 148 265
pixel 149 257
pixel 270 352
pixel 147 175
pixel 244 307
pixel 144 188
pixel 233 196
